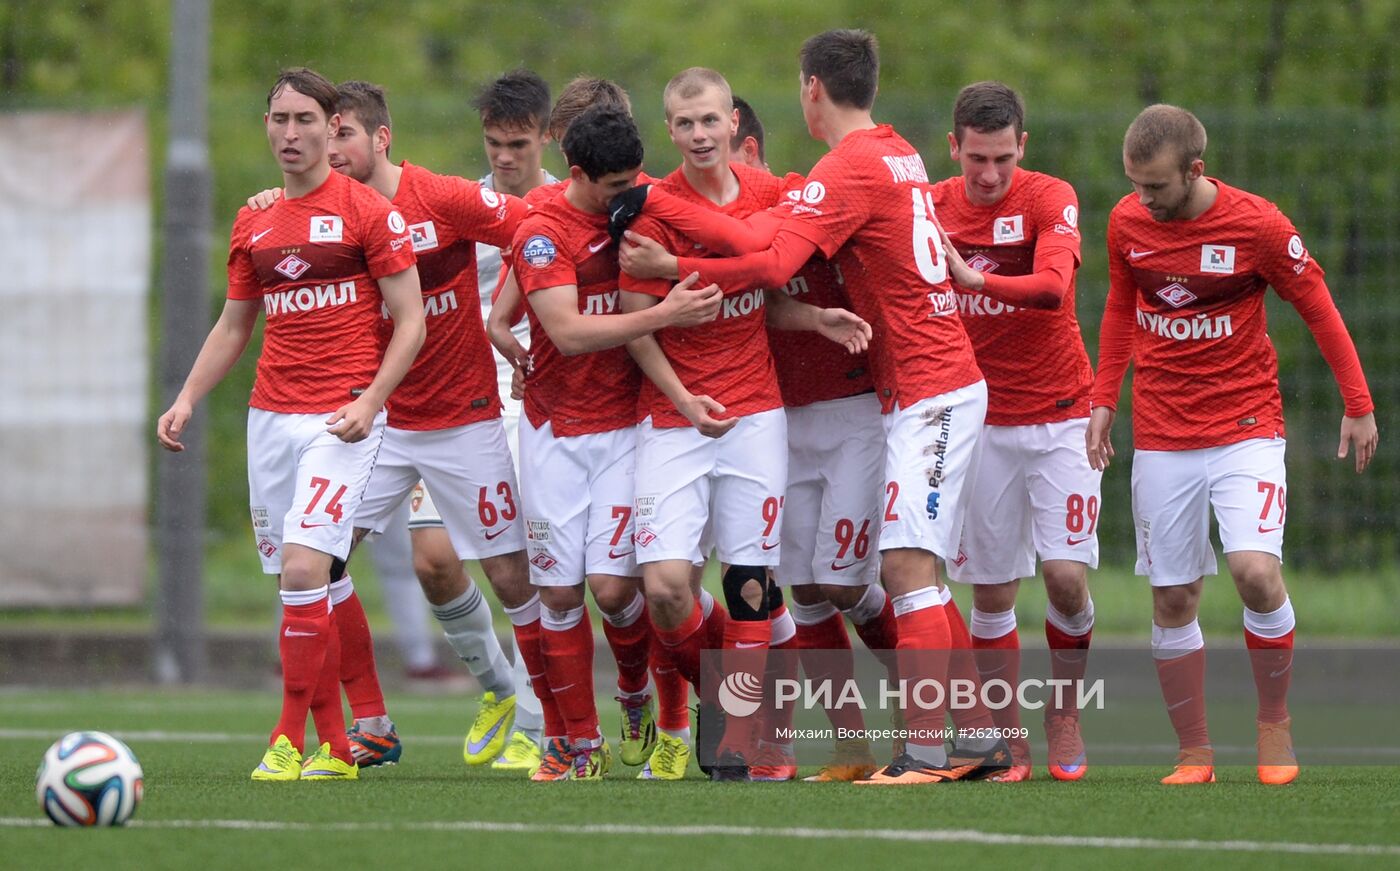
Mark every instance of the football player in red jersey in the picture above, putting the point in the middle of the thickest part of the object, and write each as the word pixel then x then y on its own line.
pixel 695 474
pixel 444 426
pixel 321 263
pixel 1189 260
pixel 1013 250
pixel 868 205
pixel 578 440
pixel 836 447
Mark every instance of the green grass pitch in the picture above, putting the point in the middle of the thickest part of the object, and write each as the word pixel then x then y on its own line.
pixel 201 811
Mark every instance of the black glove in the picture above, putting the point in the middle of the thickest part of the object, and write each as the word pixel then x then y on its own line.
pixel 624 209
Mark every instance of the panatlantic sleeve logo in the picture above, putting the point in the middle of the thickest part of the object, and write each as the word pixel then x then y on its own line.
pixel 538 251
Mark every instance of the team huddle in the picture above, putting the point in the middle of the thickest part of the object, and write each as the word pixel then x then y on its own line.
pixel 839 386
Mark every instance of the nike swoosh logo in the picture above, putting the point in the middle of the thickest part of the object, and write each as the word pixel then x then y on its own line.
pixel 253 240
pixel 290 634
pixel 475 747
pixel 561 689
pixel 612 554
pixel 492 536
pixel 1071 540
pixel 1136 254
pixel 1180 703
pixel 840 568
pixel 1281 672
pixel 767 546
pixel 595 248
pixel 749 645
pixel 305 525
pixel 1263 531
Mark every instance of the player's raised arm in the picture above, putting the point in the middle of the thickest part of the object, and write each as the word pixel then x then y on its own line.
pixel 404 299
pixel 719 232
pixel 699 410
pixel 1044 288
pixel 772 267
pixel 222 348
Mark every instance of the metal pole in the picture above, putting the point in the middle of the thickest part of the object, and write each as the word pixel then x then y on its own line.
pixel 180 645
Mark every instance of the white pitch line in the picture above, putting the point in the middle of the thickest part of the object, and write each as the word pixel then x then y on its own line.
pixel 920 836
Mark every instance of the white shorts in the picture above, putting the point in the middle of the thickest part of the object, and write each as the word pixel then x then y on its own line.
pixel 686 480
pixel 1035 493
pixel 931 453
pixel 472 479
pixel 423 513
pixel 578 504
pixel 1175 491
pixel 831 516
pixel 304 484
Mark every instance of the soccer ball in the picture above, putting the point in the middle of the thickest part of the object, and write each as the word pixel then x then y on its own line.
pixel 89 779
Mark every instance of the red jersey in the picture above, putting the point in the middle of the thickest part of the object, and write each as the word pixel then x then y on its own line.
pixel 727 359
pixel 812 368
pixel 869 206
pixel 1207 374
pixel 313 260
pixel 453 380
pixel 1034 359
pixel 557 244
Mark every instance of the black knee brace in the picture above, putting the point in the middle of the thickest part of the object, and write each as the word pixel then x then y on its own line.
pixel 734 581
pixel 775 597
pixel 337 569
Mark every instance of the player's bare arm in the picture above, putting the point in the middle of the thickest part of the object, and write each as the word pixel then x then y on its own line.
pixel 1361 432
pixel 843 327
pixel 404 298
pixel 1098 442
pixel 575 333
pixel 222 348
pixel 506 311
pixel 699 410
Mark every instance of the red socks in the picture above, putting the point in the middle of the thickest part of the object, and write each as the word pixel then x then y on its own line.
pixel 357 669
pixel 566 638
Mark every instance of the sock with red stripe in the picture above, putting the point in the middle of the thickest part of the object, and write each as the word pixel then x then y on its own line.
pixel 996 648
pixel 302 644
pixel 525 621
pixel 682 644
pixel 924 641
pixel 358 673
pixel 1068 638
pixel 1269 637
pixel 326 710
pixel 629 636
pixel 826 656
pixel 782 664
pixel 1180 655
pixel 566 637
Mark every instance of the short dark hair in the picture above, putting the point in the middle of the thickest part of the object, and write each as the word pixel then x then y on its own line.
pixel 1160 126
pixel 578 95
pixel 366 101
pixel 306 81
pixel 520 98
pixel 603 140
pixel 848 64
pixel 749 125
pixel 988 107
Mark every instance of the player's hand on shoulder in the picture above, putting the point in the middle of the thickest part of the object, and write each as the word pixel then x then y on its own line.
pixel 624 209
pixel 1362 432
pixel 1098 444
pixel 963 275
pixel 643 257
pixel 701 411
pixel 845 328
pixel 172 424
pixel 353 421
pixel 264 199
pixel 688 305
